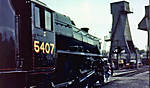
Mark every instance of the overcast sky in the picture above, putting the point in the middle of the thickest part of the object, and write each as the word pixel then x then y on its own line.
pixel 95 14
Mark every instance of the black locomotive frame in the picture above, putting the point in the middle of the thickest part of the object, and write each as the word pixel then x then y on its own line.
pixel 42 48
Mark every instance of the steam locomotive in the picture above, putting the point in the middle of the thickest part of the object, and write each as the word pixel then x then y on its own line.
pixel 40 48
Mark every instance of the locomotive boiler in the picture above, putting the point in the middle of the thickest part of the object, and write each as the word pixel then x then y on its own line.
pixel 41 48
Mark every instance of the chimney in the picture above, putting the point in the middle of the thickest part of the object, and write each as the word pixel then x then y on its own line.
pixel 85 29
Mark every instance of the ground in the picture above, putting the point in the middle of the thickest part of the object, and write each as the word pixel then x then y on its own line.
pixel 138 79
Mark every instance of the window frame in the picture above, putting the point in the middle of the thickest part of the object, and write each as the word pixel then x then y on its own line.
pixel 51 20
pixel 39 27
pixel 42 11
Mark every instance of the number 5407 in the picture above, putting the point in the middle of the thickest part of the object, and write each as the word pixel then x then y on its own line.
pixel 44 47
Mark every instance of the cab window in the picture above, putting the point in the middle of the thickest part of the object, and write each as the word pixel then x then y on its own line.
pixel 47 20
pixel 42 18
pixel 37 17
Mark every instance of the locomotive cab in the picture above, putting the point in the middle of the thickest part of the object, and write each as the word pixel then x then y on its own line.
pixel 43 36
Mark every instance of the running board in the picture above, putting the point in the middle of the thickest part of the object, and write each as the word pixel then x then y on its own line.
pixel 79 53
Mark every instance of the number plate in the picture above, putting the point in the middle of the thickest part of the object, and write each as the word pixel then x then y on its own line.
pixel 45 48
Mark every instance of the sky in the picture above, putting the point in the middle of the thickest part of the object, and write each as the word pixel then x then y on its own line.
pixel 95 14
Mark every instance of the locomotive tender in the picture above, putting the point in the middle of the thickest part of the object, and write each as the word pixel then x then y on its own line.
pixel 42 48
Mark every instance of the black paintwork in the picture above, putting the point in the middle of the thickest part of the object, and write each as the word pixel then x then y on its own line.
pixel 65 43
pixel 18 33
pixel 41 34
pixel 7 35
pixel 67 35
pixel 23 33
